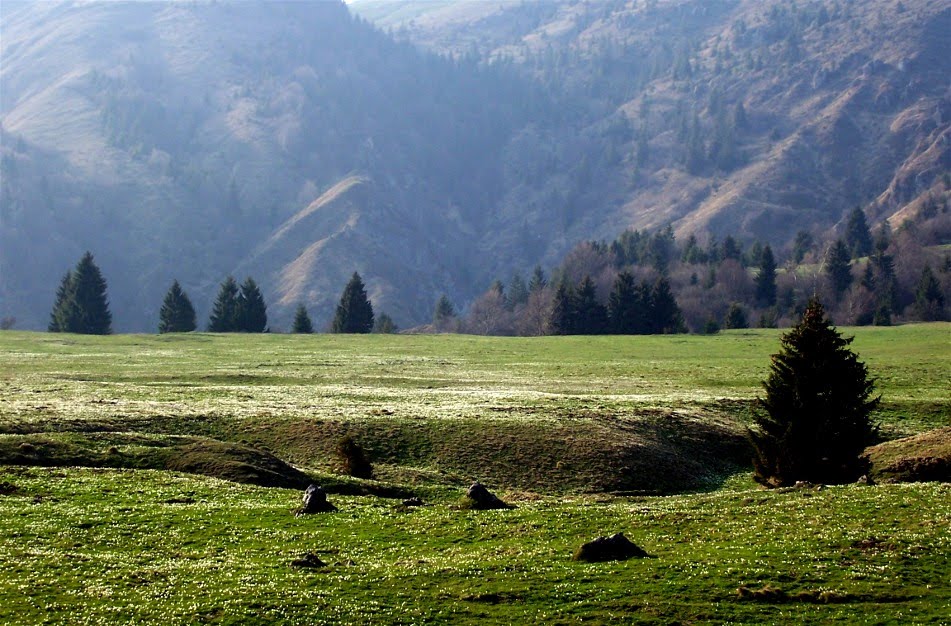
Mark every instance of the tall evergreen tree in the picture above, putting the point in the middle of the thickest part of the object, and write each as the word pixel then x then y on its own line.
pixel 858 237
pixel 384 325
pixel 929 301
pixel 660 248
pixel 815 418
pixel 802 245
pixel 224 313
pixel 766 278
pixel 736 317
pixel 538 280
pixel 626 310
pixel 592 317
pixel 868 277
pixel 886 283
pixel 693 253
pixel 883 238
pixel 444 312
pixel 63 305
pixel 754 256
pixel 644 323
pixel 302 323
pixel 354 311
pixel 563 320
pixel 251 313
pixel 518 291
pixel 837 267
pixel 81 305
pixel 730 249
pixel 177 314
pixel 666 317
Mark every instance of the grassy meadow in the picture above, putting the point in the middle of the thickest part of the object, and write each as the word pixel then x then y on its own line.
pixel 587 436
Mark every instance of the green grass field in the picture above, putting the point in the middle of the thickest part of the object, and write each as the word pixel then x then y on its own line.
pixel 568 429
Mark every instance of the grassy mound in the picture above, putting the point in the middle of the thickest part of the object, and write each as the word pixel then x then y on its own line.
pixel 652 453
pixel 207 457
pixel 922 458
pixel 237 463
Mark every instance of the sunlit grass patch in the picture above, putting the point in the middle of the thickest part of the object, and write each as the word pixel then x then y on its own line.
pixel 89 546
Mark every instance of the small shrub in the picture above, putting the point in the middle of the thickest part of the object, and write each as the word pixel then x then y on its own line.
pixel 353 459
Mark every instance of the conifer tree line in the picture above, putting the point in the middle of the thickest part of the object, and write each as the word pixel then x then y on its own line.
pixel 640 283
pixel 649 282
pixel 81 306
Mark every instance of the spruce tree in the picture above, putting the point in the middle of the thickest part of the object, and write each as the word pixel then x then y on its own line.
pixel 538 281
pixel 766 278
pixel 63 305
pixel 563 320
pixel 444 312
pixel 354 311
pixel 886 283
pixel 693 253
pixel 803 244
pixel 730 249
pixel 858 238
pixel 929 301
pixel 592 317
pixel 814 421
pixel 838 268
pixel 81 305
pixel 736 317
pixel 518 291
pixel 665 316
pixel 626 314
pixel 644 321
pixel 89 288
pixel 384 325
pixel 302 324
pixel 224 314
pixel 177 314
pixel 251 311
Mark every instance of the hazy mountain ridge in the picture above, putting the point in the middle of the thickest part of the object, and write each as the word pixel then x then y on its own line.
pixel 198 140
pixel 182 139
pixel 846 103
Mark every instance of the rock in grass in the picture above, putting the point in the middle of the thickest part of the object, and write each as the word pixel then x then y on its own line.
pixel 308 561
pixel 617 547
pixel 414 501
pixel 315 501
pixel 482 499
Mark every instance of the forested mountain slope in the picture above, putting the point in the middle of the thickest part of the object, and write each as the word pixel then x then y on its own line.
pixel 189 139
pixel 296 143
pixel 745 116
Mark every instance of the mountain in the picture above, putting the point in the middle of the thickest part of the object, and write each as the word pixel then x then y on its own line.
pixel 297 143
pixel 288 141
pixel 842 103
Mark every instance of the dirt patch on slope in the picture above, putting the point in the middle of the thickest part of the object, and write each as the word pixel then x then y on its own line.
pixel 921 458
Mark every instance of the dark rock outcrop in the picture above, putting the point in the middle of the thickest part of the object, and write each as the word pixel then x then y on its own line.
pixel 617 547
pixel 480 498
pixel 315 501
